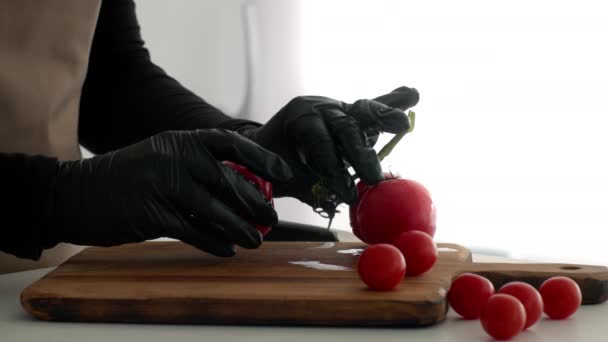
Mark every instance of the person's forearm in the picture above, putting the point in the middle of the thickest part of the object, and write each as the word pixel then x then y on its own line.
pixel 126 97
pixel 26 182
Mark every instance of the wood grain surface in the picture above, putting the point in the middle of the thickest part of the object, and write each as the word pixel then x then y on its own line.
pixel 280 283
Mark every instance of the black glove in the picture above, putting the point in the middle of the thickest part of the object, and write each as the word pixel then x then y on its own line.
pixel 170 185
pixel 321 137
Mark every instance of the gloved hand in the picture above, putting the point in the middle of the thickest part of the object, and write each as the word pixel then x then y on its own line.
pixel 170 185
pixel 321 137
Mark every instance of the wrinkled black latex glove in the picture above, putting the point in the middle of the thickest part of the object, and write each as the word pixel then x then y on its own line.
pixel 170 185
pixel 321 137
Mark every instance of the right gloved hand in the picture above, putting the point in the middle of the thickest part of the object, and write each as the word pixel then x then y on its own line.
pixel 170 185
pixel 321 137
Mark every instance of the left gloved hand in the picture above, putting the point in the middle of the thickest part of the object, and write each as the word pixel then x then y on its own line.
pixel 320 138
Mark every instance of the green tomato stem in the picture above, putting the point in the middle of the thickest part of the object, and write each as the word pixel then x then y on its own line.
pixel 388 148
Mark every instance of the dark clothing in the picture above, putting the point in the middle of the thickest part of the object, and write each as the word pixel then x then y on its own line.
pixel 125 98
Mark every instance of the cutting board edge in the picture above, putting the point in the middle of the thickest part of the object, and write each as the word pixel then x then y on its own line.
pixel 77 310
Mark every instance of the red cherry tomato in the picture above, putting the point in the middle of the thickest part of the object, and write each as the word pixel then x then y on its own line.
pixel 468 293
pixel 561 296
pixel 264 186
pixel 392 207
pixel 419 250
pixel 362 188
pixel 381 267
pixel 529 297
pixel 503 316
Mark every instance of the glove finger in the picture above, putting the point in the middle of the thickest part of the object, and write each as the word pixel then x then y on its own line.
pixel 225 184
pixel 375 116
pixel 402 98
pixel 207 241
pixel 195 199
pixel 372 138
pixel 227 145
pixel 317 150
pixel 352 142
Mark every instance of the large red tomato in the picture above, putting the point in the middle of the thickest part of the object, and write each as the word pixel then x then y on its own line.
pixel 263 185
pixel 352 210
pixel 362 188
pixel 392 207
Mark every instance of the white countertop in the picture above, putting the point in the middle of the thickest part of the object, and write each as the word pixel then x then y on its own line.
pixel 588 324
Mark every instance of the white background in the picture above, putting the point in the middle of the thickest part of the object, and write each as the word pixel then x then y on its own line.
pixel 510 136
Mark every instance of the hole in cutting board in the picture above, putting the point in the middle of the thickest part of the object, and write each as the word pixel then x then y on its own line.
pixel 570 268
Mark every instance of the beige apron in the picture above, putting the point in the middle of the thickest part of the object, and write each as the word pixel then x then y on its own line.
pixel 44 52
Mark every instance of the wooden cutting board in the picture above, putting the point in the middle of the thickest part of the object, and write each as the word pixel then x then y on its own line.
pixel 287 283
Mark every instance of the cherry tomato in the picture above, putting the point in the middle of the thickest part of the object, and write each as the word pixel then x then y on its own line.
pixel 264 186
pixel 503 316
pixel 528 296
pixel 419 251
pixel 392 207
pixel 362 187
pixel 468 293
pixel 561 296
pixel 381 267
